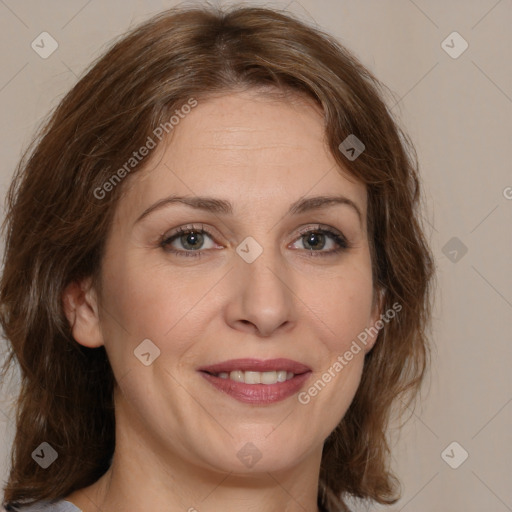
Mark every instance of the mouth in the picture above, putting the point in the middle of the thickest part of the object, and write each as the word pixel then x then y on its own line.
pixel 257 381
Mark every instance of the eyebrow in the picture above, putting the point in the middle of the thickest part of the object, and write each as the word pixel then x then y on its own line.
pixel 223 207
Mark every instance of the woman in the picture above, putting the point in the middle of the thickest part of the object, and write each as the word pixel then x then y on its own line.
pixel 216 282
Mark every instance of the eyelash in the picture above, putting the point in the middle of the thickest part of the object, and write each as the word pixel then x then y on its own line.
pixel 338 238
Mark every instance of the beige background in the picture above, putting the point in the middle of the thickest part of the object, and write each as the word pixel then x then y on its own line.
pixel 458 112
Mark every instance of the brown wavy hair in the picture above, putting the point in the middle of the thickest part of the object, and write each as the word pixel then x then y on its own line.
pixel 55 230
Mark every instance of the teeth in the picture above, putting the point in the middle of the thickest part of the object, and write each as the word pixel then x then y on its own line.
pixel 237 376
pixel 257 377
pixel 282 376
pixel 253 377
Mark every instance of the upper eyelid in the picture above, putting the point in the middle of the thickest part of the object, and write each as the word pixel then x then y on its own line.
pixel 211 232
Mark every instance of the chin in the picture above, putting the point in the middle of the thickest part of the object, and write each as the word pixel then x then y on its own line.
pixel 259 456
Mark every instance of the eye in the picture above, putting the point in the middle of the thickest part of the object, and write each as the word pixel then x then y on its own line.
pixel 190 238
pixel 316 238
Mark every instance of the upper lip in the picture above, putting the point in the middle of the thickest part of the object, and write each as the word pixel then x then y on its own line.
pixel 257 365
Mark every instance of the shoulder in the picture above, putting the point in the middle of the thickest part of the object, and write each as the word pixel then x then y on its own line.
pixel 44 506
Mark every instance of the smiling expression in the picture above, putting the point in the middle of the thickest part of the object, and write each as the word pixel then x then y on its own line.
pixel 220 251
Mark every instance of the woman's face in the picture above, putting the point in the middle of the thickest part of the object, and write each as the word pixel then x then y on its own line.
pixel 261 282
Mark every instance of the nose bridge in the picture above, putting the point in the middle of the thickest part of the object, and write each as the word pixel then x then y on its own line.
pixel 263 294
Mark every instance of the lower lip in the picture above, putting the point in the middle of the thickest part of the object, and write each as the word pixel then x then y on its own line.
pixel 258 394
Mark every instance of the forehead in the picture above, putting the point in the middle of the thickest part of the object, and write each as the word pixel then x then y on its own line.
pixel 252 149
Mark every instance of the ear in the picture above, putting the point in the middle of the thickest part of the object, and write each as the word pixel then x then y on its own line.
pixel 80 305
pixel 375 320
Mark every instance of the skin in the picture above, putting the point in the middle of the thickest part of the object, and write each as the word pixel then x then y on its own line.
pixel 177 436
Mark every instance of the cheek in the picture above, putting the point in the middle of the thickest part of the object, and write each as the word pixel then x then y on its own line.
pixel 346 304
pixel 348 318
pixel 345 309
pixel 348 308
pixel 145 299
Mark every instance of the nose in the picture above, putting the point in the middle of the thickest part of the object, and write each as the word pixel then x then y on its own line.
pixel 261 297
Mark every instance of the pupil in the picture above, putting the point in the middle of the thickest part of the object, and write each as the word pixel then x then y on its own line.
pixel 192 235
pixel 312 237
